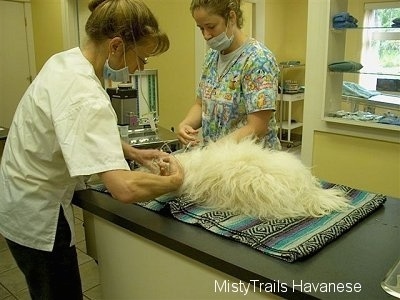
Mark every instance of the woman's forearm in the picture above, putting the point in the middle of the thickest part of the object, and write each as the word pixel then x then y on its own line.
pixel 193 117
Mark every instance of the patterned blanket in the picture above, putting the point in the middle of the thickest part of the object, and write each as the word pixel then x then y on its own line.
pixel 289 239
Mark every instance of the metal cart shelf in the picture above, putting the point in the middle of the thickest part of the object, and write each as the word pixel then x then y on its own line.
pixel 286 122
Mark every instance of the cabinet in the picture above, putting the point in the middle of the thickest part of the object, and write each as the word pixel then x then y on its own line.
pixel 378 110
pixel 287 97
pixel 345 151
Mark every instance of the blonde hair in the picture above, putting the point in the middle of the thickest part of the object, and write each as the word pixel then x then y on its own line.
pixel 131 20
pixel 221 8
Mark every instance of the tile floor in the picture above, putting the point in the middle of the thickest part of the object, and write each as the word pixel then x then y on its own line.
pixel 12 282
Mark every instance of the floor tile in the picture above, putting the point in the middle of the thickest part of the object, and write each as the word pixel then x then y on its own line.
pixel 78 212
pixel 11 297
pixel 7 261
pixel 295 150
pixel 83 257
pixel 89 275
pixel 3 243
pixel 4 293
pixel 94 293
pixel 13 280
pixel 79 232
pixel 23 295
pixel 81 246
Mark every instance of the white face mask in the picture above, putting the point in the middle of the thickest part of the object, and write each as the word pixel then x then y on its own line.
pixel 220 42
pixel 121 75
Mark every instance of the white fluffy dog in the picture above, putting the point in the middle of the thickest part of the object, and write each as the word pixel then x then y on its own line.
pixel 245 178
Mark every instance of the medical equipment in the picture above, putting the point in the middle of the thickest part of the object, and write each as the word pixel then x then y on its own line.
pixel 136 106
pixel 124 100
pixel 136 102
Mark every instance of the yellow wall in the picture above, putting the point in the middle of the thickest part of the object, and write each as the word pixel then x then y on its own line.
pixel 176 77
pixel 286 28
pixel 176 67
pixel 286 36
pixel 47 29
pixel 365 164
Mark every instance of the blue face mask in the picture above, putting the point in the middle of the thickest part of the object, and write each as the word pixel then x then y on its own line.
pixel 121 75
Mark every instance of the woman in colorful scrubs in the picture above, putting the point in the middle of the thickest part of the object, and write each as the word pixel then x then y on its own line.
pixel 238 88
pixel 65 128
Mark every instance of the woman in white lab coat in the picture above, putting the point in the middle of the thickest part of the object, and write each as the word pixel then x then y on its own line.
pixel 65 128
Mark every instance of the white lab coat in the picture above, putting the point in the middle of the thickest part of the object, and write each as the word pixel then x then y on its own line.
pixel 64 128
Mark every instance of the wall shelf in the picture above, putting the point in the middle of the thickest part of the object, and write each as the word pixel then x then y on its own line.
pixel 339 48
pixel 336 148
pixel 386 102
pixel 370 124
pixel 367 73
pixel 395 29
pixel 286 125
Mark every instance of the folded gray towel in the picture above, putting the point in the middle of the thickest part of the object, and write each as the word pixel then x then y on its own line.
pixel 345 24
pixel 345 66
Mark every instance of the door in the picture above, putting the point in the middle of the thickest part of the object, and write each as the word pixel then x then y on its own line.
pixel 16 60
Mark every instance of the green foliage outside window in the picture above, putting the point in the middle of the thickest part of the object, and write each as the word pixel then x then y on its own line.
pixel 388 50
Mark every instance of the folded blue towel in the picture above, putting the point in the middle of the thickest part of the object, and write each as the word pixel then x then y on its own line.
pixel 356 90
pixel 349 19
pixel 341 16
pixel 392 120
pixel 344 16
pixel 344 20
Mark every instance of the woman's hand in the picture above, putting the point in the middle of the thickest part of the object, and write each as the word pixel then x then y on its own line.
pixel 170 166
pixel 147 157
pixel 187 134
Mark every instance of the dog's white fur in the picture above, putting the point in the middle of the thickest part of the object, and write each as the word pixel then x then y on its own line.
pixel 245 178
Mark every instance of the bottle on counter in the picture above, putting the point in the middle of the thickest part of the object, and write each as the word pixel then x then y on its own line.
pixel 132 120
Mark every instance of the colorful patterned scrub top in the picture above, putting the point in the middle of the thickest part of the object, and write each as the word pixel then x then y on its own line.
pixel 249 84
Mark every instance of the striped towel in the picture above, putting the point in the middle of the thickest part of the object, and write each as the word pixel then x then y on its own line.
pixel 288 239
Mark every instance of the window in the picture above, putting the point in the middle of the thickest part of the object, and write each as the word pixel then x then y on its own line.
pixel 381 44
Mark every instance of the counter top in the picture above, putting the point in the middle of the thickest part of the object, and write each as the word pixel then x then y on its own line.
pixel 361 256
pixel 145 140
pixel 150 139
pixel 3 133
